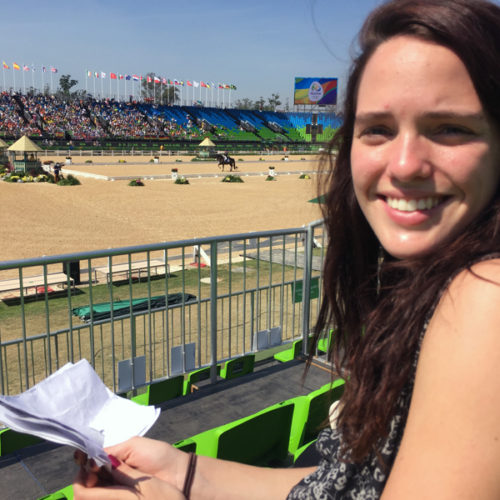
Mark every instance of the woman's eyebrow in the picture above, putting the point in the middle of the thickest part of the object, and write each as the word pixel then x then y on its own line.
pixel 362 118
pixel 479 117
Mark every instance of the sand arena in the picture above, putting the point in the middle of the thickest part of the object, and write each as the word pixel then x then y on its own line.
pixel 45 219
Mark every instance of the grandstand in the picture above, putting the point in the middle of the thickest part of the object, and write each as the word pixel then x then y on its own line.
pixel 55 122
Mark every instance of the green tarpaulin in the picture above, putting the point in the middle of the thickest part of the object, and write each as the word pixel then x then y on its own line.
pixel 102 311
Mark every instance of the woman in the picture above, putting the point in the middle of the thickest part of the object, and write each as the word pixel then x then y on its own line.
pixel 412 280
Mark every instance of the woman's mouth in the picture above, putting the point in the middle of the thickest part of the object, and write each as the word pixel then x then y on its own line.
pixel 414 204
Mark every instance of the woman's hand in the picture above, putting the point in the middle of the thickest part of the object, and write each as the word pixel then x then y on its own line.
pixel 123 482
pixel 156 458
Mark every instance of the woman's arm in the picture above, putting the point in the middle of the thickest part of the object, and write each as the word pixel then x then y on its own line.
pixel 220 479
pixel 451 443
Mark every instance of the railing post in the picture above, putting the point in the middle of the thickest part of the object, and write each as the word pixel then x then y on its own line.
pixel 306 288
pixel 213 311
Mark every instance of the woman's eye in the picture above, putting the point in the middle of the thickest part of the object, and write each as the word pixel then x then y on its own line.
pixel 376 130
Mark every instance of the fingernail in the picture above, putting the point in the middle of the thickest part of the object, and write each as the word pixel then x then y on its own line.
pixel 114 461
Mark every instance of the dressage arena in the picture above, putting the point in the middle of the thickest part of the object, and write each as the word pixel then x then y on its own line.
pixel 45 219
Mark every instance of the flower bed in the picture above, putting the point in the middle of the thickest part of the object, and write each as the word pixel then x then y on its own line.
pixel 232 178
pixel 136 182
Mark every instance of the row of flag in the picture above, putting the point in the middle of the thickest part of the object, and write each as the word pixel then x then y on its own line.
pixel 161 81
pixel 24 67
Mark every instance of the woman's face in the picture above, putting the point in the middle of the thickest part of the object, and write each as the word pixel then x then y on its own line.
pixel 425 159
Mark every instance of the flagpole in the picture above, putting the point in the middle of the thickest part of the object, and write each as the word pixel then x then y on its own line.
pixel 43 83
pixel 51 83
pixel 14 78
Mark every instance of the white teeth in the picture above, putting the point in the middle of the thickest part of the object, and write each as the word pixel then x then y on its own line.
pixel 411 205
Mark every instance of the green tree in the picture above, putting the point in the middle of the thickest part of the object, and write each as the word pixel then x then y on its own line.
pixel 66 83
pixel 274 102
pixel 244 104
pixel 158 92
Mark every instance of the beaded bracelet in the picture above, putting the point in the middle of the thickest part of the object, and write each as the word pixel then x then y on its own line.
pixel 188 482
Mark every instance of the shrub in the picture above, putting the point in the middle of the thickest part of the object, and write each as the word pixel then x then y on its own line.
pixel 181 180
pixel 122 161
pixel 305 176
pixel 270 178
pixel 70 180
pixel 88 161
pixel 232 178
pixel 136 182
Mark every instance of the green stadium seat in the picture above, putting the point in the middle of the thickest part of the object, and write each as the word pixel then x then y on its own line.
pixel 291 353
pixel 197 376
pixel 301 450
pixel 238 366
pixel 186 445
pixel 159 392
pixel 259 439
pixel 62 494
pixel 11 441
pixel 311 413
pixel 324 343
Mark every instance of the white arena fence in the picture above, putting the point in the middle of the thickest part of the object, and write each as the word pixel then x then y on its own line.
pixel 231 295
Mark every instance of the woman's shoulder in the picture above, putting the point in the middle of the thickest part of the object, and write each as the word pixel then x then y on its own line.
pixel 451 435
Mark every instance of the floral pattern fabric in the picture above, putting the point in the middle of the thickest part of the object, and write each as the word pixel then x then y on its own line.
pixel 337 479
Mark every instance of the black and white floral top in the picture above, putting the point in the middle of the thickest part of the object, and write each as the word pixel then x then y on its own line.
pixel 335 479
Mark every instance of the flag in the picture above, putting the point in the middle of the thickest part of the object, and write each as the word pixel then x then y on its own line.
pixel 233 87
pixel 196 84
pixel 164 81
pixel 156 79
pixel 189 84
pixel 44 69
pixel 96 74
pixel 89 74
pixel 127 77
pixel 103 75
pixel 221 86
pixel 112 76
pixel 121 77
pixel 5 65
pixel 148 79
pixel 135 78
pixel 26 68
pixel 203 84
pixel 54 70
pixel 16 66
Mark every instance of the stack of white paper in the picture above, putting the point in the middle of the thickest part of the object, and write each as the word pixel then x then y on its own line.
pixel 72 406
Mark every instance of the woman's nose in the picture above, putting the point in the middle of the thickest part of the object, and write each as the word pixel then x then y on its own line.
pixel 408 159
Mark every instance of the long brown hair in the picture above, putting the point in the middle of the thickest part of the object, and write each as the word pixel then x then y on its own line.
pixel 379 305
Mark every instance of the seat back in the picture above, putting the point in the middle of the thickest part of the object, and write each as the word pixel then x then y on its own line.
pixel 261 439
pixel 238 366
pixel 11 441
pixel 169 388
pixel 319 404
pixel 197 376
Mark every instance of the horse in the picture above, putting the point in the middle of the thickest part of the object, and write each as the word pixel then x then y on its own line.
pixel 226 160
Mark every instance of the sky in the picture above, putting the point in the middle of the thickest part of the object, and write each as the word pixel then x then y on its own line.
pixel 259 46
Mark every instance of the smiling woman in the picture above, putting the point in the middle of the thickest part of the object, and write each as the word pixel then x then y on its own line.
pixel 411 280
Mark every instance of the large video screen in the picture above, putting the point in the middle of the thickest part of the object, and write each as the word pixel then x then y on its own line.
pixel 319 91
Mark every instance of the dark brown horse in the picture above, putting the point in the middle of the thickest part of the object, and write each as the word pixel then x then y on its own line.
pixel 226 160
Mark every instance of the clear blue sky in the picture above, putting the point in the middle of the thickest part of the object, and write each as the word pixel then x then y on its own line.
pixel 257 45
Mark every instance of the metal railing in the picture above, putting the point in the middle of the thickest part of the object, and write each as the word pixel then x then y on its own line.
pixel 227 291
